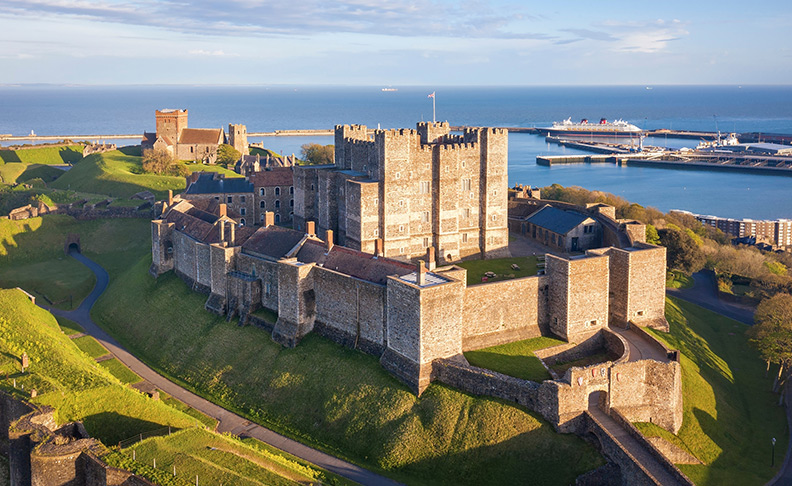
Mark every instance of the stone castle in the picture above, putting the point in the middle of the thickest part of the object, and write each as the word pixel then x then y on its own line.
pixel 419 318
pixel 411 189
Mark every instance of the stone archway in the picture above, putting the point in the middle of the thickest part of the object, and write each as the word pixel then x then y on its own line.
pixel 72 244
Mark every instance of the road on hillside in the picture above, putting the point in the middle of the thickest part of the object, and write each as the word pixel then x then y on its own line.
pixel 228 421
pixel 704 293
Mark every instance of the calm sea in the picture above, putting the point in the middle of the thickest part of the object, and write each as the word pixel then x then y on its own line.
pixel 121 110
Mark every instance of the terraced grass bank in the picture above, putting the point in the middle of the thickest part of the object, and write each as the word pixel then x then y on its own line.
pixel 515 359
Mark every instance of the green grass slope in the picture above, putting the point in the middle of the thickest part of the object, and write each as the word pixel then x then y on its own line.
pixel 500 266
pixel 515 359
pixel 730 414
pixel 116 174
pixel 43 155
pixel 32 256
pixel 338 399
pixel 69 380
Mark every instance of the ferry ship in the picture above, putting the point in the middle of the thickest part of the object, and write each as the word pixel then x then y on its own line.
pixel 602 129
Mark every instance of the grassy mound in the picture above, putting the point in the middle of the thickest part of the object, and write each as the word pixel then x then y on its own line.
pixel 515 359
pixel 70 381
pixel 217 459
pixel 116 174
pixel 335 398
pixel 43 155
pixel 730 414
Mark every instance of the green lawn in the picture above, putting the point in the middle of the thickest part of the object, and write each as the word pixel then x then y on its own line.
pixel 212 168
pixel 124 374
pixel 90 346
pixel 32 256
pixel 43 155
pixel 179 405
pixel 5 473
pixel 515 359
pixel 11 171
pixel 678 280
pixel 500 266
pixel 116 174
pixel 70 381
pixel 217 459
pixel 69 327
pixel 730 414
pixel 337 399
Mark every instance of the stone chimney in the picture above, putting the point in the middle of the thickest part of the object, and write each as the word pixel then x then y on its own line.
pixel 310 228
pixel 431 262
pixel 233 230
pixel 222 231
pixel 223 210
pixel 269 219
pixel 170 197
pixel 421 279
pixel 378 250
pixel 328 240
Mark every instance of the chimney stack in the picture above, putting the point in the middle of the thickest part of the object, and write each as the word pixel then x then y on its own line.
pixel 310 228
pixel 328 240
pixel 222 231
pixel 223 210
pixel 421 280
pixel 431 262
pixel 170 197
pixel 269 219
pixel 233 229
pixel 378 250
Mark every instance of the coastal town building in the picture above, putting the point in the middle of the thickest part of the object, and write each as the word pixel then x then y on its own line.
pixel 777 233
pixel 194 144
pixel 411 189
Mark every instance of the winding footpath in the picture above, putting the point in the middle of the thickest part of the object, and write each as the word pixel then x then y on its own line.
pixel 704 294
pixel 227 421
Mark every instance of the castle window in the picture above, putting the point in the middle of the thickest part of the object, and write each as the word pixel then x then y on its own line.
pixel 277 191
pixel 242 211
pixel 244 198
pixel 291 203
pixel 398 175
pixel 401 228
pixel 261 191
pixel 466 184
pixel 464 237
pixel 291 189
pixel 269 288
pixel 467 213
pixel 426 242
pixel 217 198
pixel 464 164
pixel 425 187
pixel 291 214
pixel 592 323
pixel 425 216
pixel 261 218
pixel 313 187
pixel 242 221
pixel 230 199
pixel 401 203
pixel 376 232
pixel 401 251
pixel 263 204
pixel 277 203
pixel 376 202
pixel 639 313
pixel 494 217
pixel 277 218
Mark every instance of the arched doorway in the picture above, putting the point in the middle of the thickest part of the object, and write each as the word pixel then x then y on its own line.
pixel 72 244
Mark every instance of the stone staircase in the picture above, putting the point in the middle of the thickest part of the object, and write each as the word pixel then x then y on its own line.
pixel 216 303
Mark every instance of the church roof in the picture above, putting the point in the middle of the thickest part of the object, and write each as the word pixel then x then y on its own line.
pixel 206 136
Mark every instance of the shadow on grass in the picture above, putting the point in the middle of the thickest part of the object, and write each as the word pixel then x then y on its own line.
pixel 134 150
pixel 111 427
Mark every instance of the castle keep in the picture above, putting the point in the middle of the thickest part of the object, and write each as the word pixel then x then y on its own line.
pixel 411 189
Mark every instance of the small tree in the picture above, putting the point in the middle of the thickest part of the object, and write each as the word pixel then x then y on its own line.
pixel 682 252
pixel 316 154
pixel 157 161
pixel 227 154
pixel 651 235
pixel 772 334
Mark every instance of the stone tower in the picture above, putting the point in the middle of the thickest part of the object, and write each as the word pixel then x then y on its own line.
pixel 170 124
pixel 237 137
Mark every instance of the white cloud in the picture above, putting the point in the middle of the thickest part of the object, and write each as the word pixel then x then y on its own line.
pixel 215 53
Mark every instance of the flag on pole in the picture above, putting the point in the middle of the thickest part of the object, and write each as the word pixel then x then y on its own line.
pixel 431 95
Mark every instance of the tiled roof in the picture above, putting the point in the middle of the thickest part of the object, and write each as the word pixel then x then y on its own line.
pixel 272 241
pixel 312 251
pixel 149 138
pixel 213 183
pixel 188 224
pixel 277 176
pixel 213 206
pixel 202 136
pixel 556 220
pixel 364 265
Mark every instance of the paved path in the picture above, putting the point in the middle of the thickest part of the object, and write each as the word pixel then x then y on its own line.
pixel 704 293
pixel 228 421
pixel 628 442
pixel 639 346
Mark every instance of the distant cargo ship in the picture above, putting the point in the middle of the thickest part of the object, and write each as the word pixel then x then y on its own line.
pixel 602 129
pixel 390 89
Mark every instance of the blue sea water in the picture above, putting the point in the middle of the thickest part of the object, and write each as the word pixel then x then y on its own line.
pixel 50 110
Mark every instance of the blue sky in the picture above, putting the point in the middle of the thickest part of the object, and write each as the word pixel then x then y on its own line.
pixel 408 42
